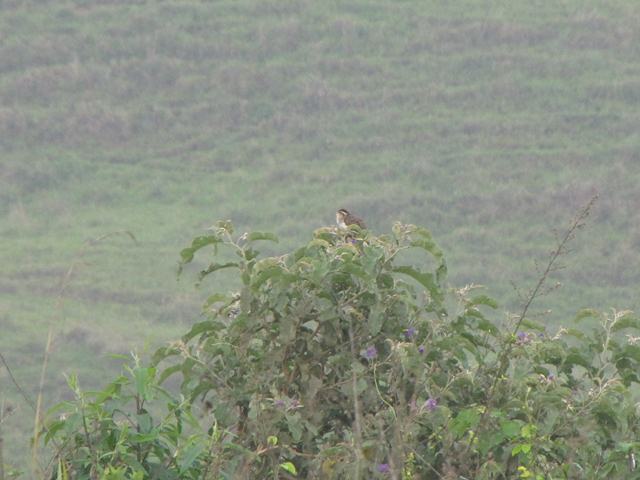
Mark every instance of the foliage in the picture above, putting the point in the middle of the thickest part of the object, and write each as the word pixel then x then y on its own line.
pixel 343 360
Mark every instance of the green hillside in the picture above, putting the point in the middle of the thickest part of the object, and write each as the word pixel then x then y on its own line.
pixel 489 125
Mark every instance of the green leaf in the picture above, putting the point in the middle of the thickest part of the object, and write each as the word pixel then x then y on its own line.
pixel 607 415
pixel 294 424
pixel 510 428
pixel 486 326
pixel 466 420
pixel 629 351
pixel 575 333
pixel 356 270
pixel 167 372
pixel 332 451
pixel 375 320
pixel 216 298
pixel 289 467
pixel 586 313
pixel 72 382
pixel 52 429
pixel 145 422
pixel 533 325
pixel 144 378
pixel 214 267
pixel 371 258
pixel 316 242
pixel 627 321
pixel 254 236
pixel 425 279
pixel 325 234
pixel 136 438
pixel 198 329
pixel 528 431
pixel 429 246
pixel 575 357
pixel 484 300
pixel 426 242
pixel 189 453
pixel 186 255
pixel 273 272
pixel 521 448
pixel 385 281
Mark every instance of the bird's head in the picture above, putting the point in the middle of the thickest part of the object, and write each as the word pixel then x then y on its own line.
pixel 340 216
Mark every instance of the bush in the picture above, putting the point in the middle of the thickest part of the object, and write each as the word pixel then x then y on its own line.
pixel 341 360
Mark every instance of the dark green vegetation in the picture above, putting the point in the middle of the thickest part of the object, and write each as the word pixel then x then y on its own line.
pixel 488 124
pixel 341 361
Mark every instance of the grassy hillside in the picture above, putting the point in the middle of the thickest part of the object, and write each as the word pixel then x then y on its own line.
pixel 488 125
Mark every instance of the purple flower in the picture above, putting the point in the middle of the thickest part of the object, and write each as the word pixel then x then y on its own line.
pixel 523 338
pixel 410 332
pixel 384 468
pixel 295 403
pixel 370 353
pixel 431 404
pixel 551 377
pixel 279 403
pixel 421 349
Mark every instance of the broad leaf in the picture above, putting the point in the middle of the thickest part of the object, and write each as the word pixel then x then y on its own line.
pixel 214 267
pixel 254 236
pixel 186 255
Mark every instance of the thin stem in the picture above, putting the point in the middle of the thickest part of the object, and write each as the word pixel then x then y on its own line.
pixel 375 382
pixel 21 390
pixel 356 404
pixel 504 355
pixel 138 411
pixel 94 457
pixel 36 421
pixel 1 442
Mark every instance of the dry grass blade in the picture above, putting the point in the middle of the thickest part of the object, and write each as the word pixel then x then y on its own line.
pixel 38 425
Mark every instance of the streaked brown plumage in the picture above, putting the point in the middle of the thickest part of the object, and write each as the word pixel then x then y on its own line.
pixel 344 218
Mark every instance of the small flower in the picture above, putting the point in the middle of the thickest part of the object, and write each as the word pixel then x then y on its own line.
pixel 384 468
pixel 410 333
pixel 370 353
pixel 547 379
pixel 279 403
pixel 523 338
pixel 431 404
pixel 421 349
pixel 295 403
pixel 632 340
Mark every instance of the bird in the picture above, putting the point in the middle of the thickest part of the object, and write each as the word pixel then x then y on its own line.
pixel 344 219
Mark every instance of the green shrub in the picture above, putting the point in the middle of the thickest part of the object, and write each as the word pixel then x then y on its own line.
pixel 348 358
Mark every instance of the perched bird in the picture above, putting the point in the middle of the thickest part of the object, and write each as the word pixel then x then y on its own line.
pixel 344 219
